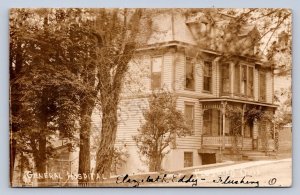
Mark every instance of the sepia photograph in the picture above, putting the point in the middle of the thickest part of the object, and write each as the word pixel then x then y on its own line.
pixel 150 97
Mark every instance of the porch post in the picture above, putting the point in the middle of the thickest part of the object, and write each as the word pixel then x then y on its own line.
pixel 255 135
pixel 243 121
pixel 224 123
pixel 231 69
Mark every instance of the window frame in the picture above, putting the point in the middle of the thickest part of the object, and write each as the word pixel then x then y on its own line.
pixel 185 73
pixel 222 92
pixel 185 155
pixel 260 86
pixel 240 80
pixel 192 104
pixel 211 76
pixel 209 114
pixel 161 71
pixel 218 118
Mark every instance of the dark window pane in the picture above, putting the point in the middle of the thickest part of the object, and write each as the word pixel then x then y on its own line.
pixel 188 159
pixel 189 116
pixel 207 122
pixel 244 80
pixel 250 82
pixel 237 79
pixel 248 130
pixel 189 75
pixel 156 72
pixel 156 80
pixel 262 86
pixel 225 79
pixel 207 75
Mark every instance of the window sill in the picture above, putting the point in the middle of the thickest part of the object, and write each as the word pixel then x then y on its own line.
pixel 187 89
pixel 209 92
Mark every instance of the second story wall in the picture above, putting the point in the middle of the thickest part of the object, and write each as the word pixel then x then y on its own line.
pixel 201 77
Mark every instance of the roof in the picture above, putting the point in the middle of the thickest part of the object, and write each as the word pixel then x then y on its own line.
pixel 170 27
pixel 238 101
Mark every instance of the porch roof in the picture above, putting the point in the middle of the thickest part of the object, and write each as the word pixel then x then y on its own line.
pixel 238 101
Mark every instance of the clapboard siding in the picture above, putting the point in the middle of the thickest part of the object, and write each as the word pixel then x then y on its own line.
pixel 167 71
pixel 180 61
pixel 130 119
pixel 137 80
pixel 179 75
pixel 192 141
pixel 269 87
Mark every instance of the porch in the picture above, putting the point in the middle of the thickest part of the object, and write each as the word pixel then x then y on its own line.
pixel 242 143
pixel 233 124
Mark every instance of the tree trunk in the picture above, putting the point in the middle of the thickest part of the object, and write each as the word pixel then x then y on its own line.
pixel 84 153
pixel 12 156
pixel 108 137
pixel 41 161
pixel 14 104
pixel 41 151
pixel 155 163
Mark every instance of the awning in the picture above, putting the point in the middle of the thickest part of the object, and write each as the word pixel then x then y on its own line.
pixel 238 101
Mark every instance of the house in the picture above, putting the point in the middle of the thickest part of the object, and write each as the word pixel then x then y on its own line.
pixel 185 55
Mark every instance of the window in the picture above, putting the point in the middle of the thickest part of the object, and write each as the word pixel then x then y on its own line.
pixel 207 75
pixel 237 79
pixel 156 72
pixel 248 128
pixel 225 79
pixel 212 122
pixel 244 80
pixel 262 86
pixel 207 122
pixel 250 86
pixel 189 74
pixel 188 159
pixel 189 116
pixel 228 130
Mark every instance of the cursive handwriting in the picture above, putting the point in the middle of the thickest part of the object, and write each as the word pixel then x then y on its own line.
pixel 157 179
pixel 244 180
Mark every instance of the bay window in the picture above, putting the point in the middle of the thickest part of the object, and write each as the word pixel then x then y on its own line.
pixel 225 79
pixel 244 80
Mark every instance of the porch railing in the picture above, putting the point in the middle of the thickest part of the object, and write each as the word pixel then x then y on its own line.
pixel 245 143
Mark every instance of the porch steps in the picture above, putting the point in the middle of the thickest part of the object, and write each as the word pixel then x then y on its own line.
pixel 258 155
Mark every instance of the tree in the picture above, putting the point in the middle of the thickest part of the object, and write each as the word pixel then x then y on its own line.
pixel 44 94
pixel 163 122
pixel 251 114
pixel 80 53
pixel 117 36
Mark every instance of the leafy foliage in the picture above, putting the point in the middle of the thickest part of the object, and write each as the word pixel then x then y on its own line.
pixel 163 122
